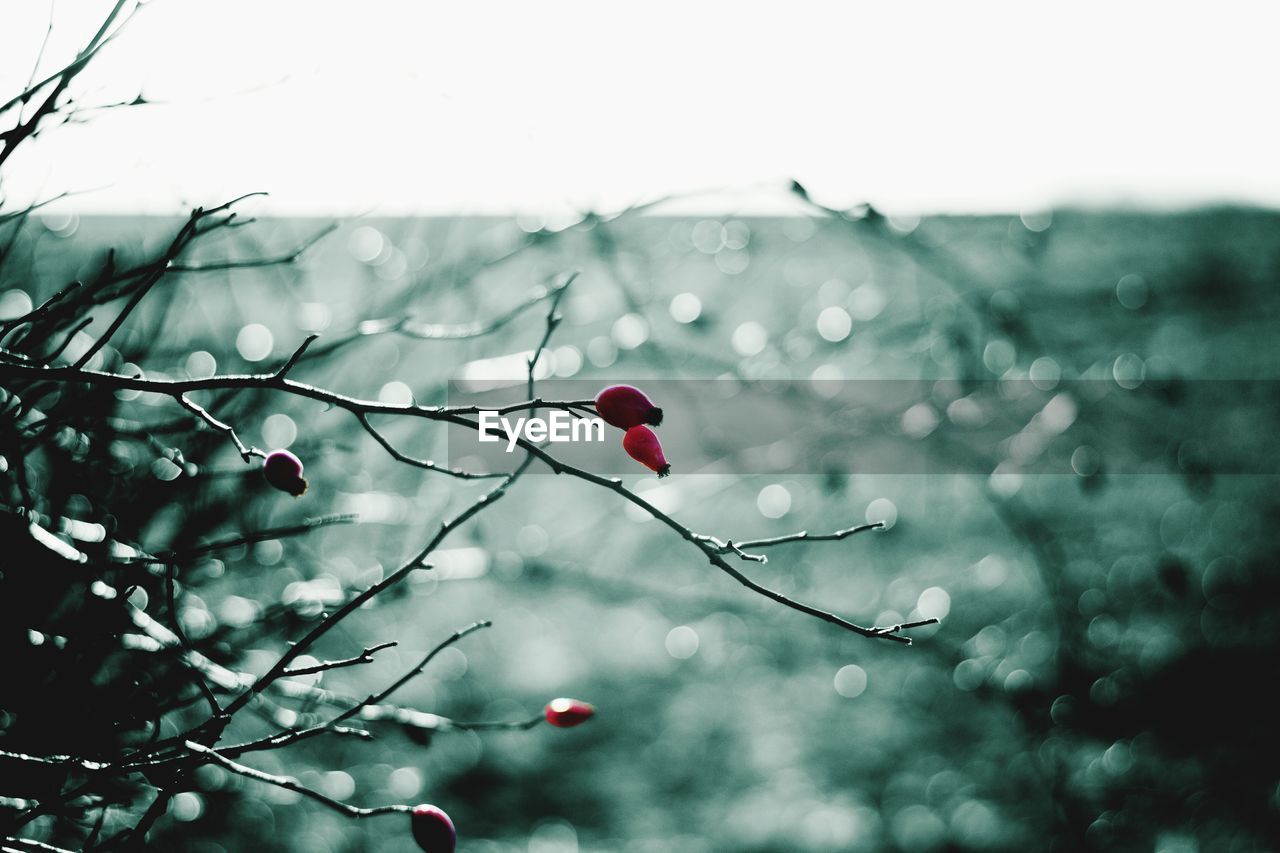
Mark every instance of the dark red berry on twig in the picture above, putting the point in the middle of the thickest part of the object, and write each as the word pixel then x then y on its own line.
pixel 433 830
pixel 624 407
pixel 567 713
pixel 283 470
pixel 642 445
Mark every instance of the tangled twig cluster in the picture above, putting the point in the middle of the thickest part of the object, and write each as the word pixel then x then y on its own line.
pixel 50 352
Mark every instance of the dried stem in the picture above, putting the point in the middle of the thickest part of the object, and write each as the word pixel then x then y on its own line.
pixel 291 784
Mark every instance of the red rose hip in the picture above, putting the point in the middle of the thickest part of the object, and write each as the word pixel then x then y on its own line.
pixel 624 407
pixel 283 471
pixel 642 445
pixel 432 829
pixel 567 713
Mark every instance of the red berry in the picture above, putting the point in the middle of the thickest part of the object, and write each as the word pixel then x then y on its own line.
pixel 283 470
pixel 567 713
pixel 642 445
pixel 625 407
pixel 433 830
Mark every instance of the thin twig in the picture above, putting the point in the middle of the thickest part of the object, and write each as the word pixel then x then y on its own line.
pixel 246 453
pixel 448 415
pixel 251 538
pixel 365 656
pixel 170 584
pixel 425 464
pixel 387 691
pixel 291 784
pixel 281 259
pixel 737 547
pixel 293 359
pixel 358 601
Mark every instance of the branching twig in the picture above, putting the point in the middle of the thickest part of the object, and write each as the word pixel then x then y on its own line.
pixel 267 534
pixel 246 453
pixel 451 415
pixel 365 656
pixel 26 845
pixel 730 546
pixel 293 359
pixel 281 259
pixel 291 784
pixel 387 691
pixel 425 464
pixel 358 601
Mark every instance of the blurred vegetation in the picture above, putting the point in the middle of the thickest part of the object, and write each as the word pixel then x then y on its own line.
pixel 1099 681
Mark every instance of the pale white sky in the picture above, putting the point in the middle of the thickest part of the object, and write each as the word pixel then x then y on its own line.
pixel 394 106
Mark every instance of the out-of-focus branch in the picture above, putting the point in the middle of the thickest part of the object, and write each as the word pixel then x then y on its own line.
pixel 410 328
pixel 291 784
pixel 365 656
pixel 387 691
pixel 446 527
pixel 25 128
pixel 246 453
pixel 425 464
pixel 26 845
pixel 280 259
pixel 256 536
pixel 738 547
pixel 451 415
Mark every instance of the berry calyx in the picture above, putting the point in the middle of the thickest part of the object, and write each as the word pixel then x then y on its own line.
pixel 624 407
pixel 432 829
pixel 567 713
pixel 642 445
pixel 283 471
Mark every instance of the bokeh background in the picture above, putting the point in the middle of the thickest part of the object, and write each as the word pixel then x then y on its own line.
pixel 1101 674
pixel 1074 199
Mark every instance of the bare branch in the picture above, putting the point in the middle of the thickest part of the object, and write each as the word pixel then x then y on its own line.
pixel 386 692
pixel 553 320
pixel 450 415
pixel 425 464
pixel 246 453
pixel 365 656
pixel 291 784
pixel 293 359
pixel 26 845
pixel 170 584
pixel 251 263
pixel 249 539
pixel 730 546
pixel 358 601
pixel 461 331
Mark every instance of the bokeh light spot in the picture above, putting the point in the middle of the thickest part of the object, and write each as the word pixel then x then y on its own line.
pixel 630 331
pixel 254 342
pixel 882 510
pixel 834 324
pixel 851 681
pixel 934 603
pixel 774 501
pixel 685 307
pixel 750 338
pixel 279 431
pixel 682 642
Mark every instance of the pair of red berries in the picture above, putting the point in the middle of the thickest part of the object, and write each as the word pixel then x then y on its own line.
pixel 434 830
pixel 629 409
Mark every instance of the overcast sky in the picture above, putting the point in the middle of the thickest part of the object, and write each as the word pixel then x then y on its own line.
pixel 395 106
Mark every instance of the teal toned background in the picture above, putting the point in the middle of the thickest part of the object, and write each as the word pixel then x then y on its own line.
pixel 1107 643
